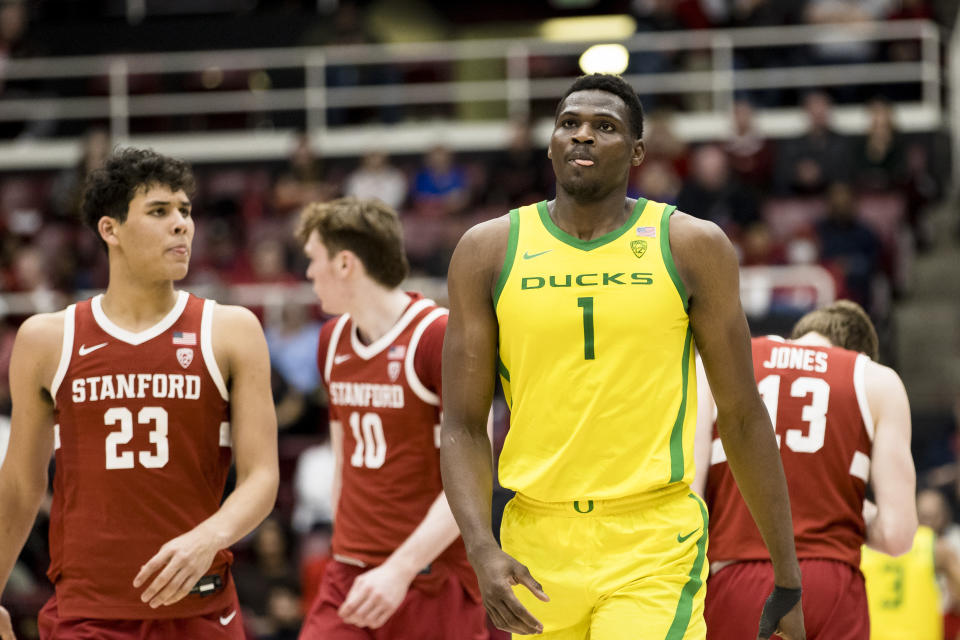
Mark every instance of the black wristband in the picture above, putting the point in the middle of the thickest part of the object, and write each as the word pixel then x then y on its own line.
pixel 777 605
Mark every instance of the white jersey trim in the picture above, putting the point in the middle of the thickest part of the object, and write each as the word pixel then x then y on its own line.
pixel 412 379
pixel 860 387
pixel 368 351
pixel 139 337
pixel 206 348
pixel 332 347
pixel 717 452
pixel 66 350
pixel 860 466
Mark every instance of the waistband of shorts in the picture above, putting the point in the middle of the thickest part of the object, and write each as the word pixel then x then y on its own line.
pixel 592 507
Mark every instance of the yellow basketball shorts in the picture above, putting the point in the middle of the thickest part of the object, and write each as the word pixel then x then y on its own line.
pixel 632 568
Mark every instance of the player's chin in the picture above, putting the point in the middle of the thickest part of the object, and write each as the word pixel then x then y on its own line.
pixel 178 271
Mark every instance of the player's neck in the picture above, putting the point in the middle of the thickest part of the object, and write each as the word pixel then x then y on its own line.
pixel 813 339
pixel 377 311
pixel 138 306
pixel 590 220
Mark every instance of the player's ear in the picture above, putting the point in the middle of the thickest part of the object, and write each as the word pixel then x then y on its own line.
pixel 549 153
pixel 639 150
pixel 107 228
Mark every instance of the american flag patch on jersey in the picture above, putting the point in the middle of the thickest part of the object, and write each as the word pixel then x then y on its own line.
pixel 185 338
pixel 397 352
pixel 647 232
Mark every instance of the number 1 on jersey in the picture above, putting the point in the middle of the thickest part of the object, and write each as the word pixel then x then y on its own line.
pixel 586 303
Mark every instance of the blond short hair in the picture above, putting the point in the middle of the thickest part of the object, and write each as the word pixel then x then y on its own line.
pixel 845 324
pixel 367 228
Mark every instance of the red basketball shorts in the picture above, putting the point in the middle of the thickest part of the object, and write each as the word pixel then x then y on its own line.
pixel 449 614
pixel 219 625
pixel 834 601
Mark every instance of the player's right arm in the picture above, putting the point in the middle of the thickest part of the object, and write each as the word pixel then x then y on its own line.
pixel 469 373
pixel 892 476
pixel 336 441
pixel 23 476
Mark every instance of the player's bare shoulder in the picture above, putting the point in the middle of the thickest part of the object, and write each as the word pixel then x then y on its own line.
pixel 40 342
pixel 481 251
pixel 237 336
pixel 701 250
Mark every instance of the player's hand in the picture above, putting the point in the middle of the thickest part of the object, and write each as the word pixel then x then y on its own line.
pixel 6 626
pixel 497 573
pixel 374 597
pixel 180 563
pixel 791 625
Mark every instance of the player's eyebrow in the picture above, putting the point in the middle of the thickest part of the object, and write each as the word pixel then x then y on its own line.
pixel 597 113
pixel 163 203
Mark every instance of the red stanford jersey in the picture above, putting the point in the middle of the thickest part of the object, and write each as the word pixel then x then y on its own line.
pixel 818 406
pixel 142 453
pixel 386 396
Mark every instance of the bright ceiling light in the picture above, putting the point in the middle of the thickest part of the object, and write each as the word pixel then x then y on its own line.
pixel 614 27
pixel 605 58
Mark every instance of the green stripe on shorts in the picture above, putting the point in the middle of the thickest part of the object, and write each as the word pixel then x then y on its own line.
pixel 685 605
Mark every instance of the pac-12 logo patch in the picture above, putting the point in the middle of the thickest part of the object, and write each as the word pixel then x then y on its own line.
pixel 639 247
pixel 393 370
pixel 184 357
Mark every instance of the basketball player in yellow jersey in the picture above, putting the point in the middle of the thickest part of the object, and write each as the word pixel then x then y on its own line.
pixel 590 308
pixel 902 591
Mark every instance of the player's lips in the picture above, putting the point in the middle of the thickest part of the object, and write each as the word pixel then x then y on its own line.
pixel 180 250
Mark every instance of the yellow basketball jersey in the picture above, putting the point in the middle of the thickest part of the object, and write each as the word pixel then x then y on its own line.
pixel 902 592
pixel 596 359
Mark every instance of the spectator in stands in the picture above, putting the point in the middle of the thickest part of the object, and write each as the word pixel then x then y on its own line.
pixel 377 178
pixel 881 156
pixel 714 194
pixel 66 188
pixel 272 564
pixel 293 355
pixel 750 154
pixel 284 613
pixel 313 488
pixel 655 180
pixel 440 186
pixel 518 173
pixel 933 510
pixel 303 180
pixel 808 164
pixel 849 244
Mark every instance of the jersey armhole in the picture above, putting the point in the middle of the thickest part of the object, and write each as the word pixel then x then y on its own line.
pixel 412 379
pixel 332 345
pixel 667 255
pixel 860 387
pixel 511 255
pixel 66 350
pixel 206 348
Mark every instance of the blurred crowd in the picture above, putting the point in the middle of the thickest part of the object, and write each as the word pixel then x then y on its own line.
pixel 855 205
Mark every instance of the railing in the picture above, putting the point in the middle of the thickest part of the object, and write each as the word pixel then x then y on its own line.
pixel 808 286
pixel 514 88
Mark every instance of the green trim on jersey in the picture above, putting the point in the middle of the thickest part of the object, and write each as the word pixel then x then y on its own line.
pixel 681 619
pixel 587 245
pixel 668 256
pixel 510 257
pixel 502 369
pixel 676 436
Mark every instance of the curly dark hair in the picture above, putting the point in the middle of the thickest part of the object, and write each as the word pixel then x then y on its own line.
pixel 611 84
pixel 107 191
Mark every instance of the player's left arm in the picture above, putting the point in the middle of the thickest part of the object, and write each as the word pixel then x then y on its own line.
pixel 241 353
pixel 376 594
pixel 892 525
pixel 709 269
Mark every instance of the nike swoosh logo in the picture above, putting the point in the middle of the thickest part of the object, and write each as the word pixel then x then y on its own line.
pixel 339 359
pixel 527 255
pixel 84 349
pixel 225 620
pixel 681 538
